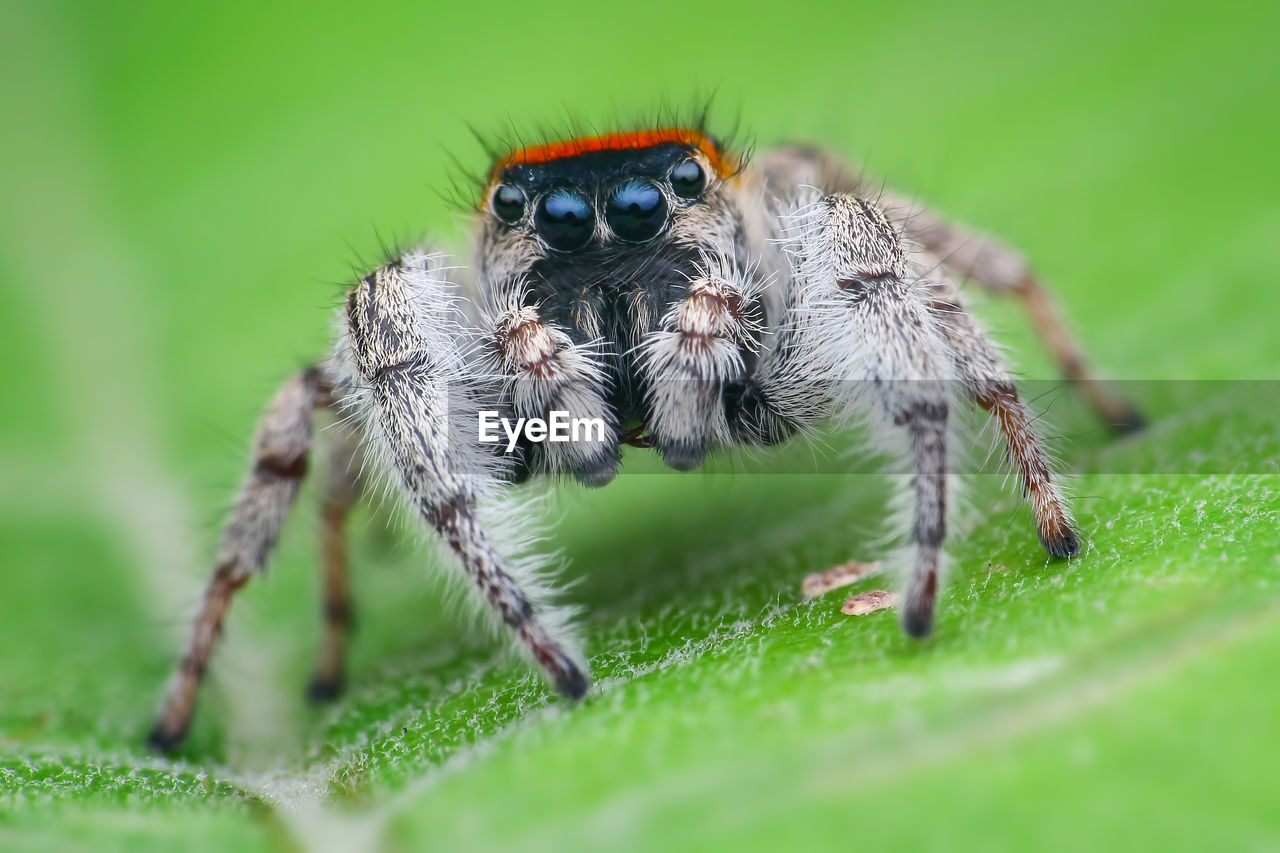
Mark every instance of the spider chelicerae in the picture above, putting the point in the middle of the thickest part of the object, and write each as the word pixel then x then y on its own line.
pixel 657 282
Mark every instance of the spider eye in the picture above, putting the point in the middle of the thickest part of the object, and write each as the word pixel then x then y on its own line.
pixel 564 220
pixel 636 211
pixel 508 203
pixel 688 180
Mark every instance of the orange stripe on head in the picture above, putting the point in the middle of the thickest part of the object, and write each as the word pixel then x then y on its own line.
pixel 632 139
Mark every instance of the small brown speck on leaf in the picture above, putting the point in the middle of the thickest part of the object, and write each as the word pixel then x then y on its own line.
pixel 868 602
pixel 836 577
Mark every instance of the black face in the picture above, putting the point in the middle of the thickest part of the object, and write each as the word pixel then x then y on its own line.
pixel 629 194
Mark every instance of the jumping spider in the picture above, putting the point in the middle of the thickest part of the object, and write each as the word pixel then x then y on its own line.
pixel 692 300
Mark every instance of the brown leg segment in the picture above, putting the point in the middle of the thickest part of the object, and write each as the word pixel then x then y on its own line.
pixel 180 700
pixel 1118 413
pixel 1053 521
pixel 1000 269
pixel 280 454
pixel 340 492
pixel 988 383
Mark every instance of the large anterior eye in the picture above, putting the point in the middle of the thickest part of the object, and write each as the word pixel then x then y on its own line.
pixel 636 211
pixel 687 179
pixel 508 203
pixel 564 220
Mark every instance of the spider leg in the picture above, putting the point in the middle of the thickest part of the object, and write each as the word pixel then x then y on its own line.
pixel 411 387
pixel 987 382
pixel 547 373
pixel 280 452
pixel 1002 270
pixel 858 336
pixel 340 491
pixel 687 361
pixel 967 254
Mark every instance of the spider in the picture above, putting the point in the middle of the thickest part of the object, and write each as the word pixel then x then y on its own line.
pixel 659 282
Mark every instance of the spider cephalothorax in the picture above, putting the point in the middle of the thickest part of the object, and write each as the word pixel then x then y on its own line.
pixel 661 287
pixel 604 235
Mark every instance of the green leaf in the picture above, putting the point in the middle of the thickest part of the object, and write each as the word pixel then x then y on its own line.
pixel 184 195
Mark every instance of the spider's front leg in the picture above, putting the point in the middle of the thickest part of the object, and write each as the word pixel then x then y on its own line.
pixel 869 331
pixel 861 317
pixel 415 397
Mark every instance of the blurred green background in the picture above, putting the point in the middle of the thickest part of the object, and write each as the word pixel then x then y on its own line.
pixel 184 190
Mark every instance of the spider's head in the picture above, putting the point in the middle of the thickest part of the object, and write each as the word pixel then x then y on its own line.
pixel 593 194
